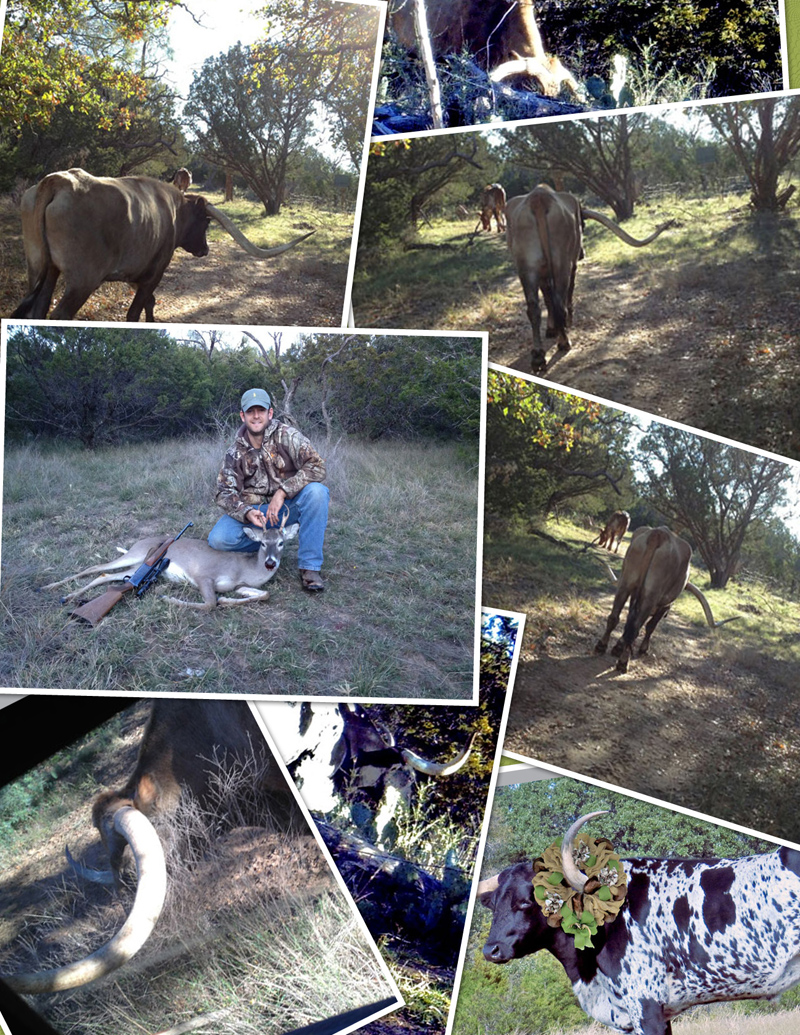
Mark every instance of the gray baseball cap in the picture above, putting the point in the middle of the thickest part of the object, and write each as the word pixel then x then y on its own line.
pixel 255 397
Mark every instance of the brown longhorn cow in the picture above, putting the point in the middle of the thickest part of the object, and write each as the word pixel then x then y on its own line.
pixel 654 574
pixel 545 237
pixel 502 35
pixel 493 203
pixel 614 530
pixel 182 180
pixel 185 746
pixel 89 229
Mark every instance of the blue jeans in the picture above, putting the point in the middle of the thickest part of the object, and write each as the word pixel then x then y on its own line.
pixel 309 507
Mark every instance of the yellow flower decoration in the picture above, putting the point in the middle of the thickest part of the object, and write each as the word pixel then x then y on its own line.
pixel 603 895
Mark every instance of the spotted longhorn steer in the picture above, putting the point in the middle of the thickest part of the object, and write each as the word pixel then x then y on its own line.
pixel 329 746
pixel 691 931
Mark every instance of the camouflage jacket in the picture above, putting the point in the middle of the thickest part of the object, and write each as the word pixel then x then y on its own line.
pixel 250 476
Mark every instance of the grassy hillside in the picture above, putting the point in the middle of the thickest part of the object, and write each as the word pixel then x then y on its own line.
pixel 397 618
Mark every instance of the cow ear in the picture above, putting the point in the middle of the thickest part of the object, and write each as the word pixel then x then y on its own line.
pixel 486 899
pixel 487 890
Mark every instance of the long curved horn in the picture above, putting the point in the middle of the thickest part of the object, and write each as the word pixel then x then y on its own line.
pixel 634 242
pixel 488 885
pixel 242 241
pixel 151 890
pixel 706 606
pixel 95 876
pixel 422 765
pixel 575 878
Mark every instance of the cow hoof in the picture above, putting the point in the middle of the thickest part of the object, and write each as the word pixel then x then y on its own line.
pixel 538 362
pixel 616 650
pixel 622 665
pixel 600 647
pixel 564 346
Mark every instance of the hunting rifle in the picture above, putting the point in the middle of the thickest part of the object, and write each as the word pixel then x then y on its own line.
pixel 140 581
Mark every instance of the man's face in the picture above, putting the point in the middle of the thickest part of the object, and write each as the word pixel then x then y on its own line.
pixel 256 419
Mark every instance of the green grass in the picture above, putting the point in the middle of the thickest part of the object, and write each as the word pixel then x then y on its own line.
pixel 699 326
pixel 396 619
pixel 438 286
pixel 560 585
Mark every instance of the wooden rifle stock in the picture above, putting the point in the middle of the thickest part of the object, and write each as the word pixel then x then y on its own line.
pixel 94 610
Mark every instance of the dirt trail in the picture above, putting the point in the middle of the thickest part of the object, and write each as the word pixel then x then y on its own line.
pixel 230 287
pixel 696 723
pixel 718 353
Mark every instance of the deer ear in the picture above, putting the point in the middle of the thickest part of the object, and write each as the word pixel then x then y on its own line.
pixel 254 533
pixel 291 531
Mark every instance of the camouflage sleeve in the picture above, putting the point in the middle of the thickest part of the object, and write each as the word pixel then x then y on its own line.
pixel 310 467
pixel 229 488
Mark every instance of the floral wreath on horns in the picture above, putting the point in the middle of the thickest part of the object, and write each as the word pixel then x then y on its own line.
pixel 579 906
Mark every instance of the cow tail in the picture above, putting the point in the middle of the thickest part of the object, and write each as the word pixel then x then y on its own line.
pixel 559 314
pixel 655 539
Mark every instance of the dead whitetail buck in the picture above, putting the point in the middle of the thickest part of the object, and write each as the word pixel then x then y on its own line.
pixel 192 560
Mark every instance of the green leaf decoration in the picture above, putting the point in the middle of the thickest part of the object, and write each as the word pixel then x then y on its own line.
pixel 602 866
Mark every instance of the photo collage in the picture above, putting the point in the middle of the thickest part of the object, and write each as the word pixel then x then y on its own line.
pixel 298 739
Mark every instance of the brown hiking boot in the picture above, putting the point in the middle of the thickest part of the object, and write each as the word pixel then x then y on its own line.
pixel 311 580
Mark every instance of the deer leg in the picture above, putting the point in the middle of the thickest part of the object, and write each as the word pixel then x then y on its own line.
pixel 118 576
pixel 248 593
pixel 134 556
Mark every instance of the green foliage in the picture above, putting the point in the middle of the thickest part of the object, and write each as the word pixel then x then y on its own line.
pixel 711 490
pixel 544 447
pixel 48 789
pixel 94 385
pixel 341 40
pixel 536 814
pixel 532 996
pixel 251 109
pixel 75 68
pixel 405 176
pixel 391 386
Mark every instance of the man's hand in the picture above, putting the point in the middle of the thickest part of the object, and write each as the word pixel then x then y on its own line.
pixel 274 508
pixel 255 517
